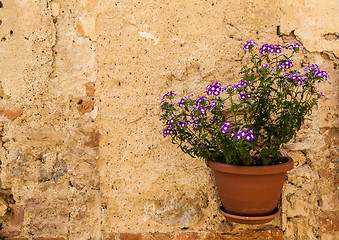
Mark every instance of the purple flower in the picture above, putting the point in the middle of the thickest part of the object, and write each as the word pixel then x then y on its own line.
pixel 196 124
pixel 225 127
pixel 266 49
pixel 320 75
pixel 283 65
pixel 168 131
pixel 248 138
pixel 277 68
pixel 286 64
pixel 251 135
pixel 264 65
pixel 314 71
pixel 170 93
pixel 319 95
pixel 246 134
pixel 193 115
pixel 249 45
pixel 202 110
pixel 311 68
pixel 165 105
pixel 170 121
pixel 200 99
pixel 182 124
pixel 212 104
pixel 224 130
pixel 227 124
pixel 296 77
pixel 227 87
pixel 278 48
pixel 184 99
pixel 244 95
pixel 295 46
pixel 242 83
pixel 214 88
pixel 242 134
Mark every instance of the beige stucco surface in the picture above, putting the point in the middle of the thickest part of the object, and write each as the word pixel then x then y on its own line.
pixel 81 146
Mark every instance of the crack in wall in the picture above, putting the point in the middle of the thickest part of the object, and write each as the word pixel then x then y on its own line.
pixel 54 20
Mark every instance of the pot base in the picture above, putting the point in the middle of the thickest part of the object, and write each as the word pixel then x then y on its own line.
pixel 249 220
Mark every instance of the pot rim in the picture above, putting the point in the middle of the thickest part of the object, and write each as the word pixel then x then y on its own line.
pixel 253 170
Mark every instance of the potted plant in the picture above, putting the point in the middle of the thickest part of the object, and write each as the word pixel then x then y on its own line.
pixel 239 129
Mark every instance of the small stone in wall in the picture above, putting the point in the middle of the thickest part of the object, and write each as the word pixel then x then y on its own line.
pixel 90 89
pixel 10 114
pixel 86 106
pixel 329 223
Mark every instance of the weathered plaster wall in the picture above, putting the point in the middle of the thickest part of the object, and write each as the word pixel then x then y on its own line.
pixel 49 146
pixel 310 199
pixel 81 152
pixel 159 46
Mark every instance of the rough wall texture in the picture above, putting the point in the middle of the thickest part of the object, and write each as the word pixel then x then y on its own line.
pixel 81 152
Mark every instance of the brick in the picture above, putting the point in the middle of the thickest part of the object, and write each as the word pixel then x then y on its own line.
pixel 187 236
pixel 215 236
pixel 248 235
pixel 260 235
pixel 329 223
pixel 10 231
pixel 158 236
pixel 43 226
pixel 49 238
pixel 16 238
pixel 90 89
pixel 86 106
pixel 131 236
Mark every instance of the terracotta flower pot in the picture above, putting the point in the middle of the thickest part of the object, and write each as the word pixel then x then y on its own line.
pixel 251 191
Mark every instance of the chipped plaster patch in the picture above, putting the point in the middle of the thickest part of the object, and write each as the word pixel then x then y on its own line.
pixel 149 35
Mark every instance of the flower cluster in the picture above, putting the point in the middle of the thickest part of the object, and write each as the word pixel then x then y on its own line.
pixel 285 64
pixel 249 45
pixel 245 133
pixel 313 71
pixel 296 78
pixel 225 127
pixel 242 88
pixel 295 46
pixel 169 94
pixel 255 116
pixel 267 49
pixel 184 99
pixel 168 131
pixel 213 88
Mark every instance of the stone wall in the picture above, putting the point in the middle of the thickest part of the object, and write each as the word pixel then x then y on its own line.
pixel 81 150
